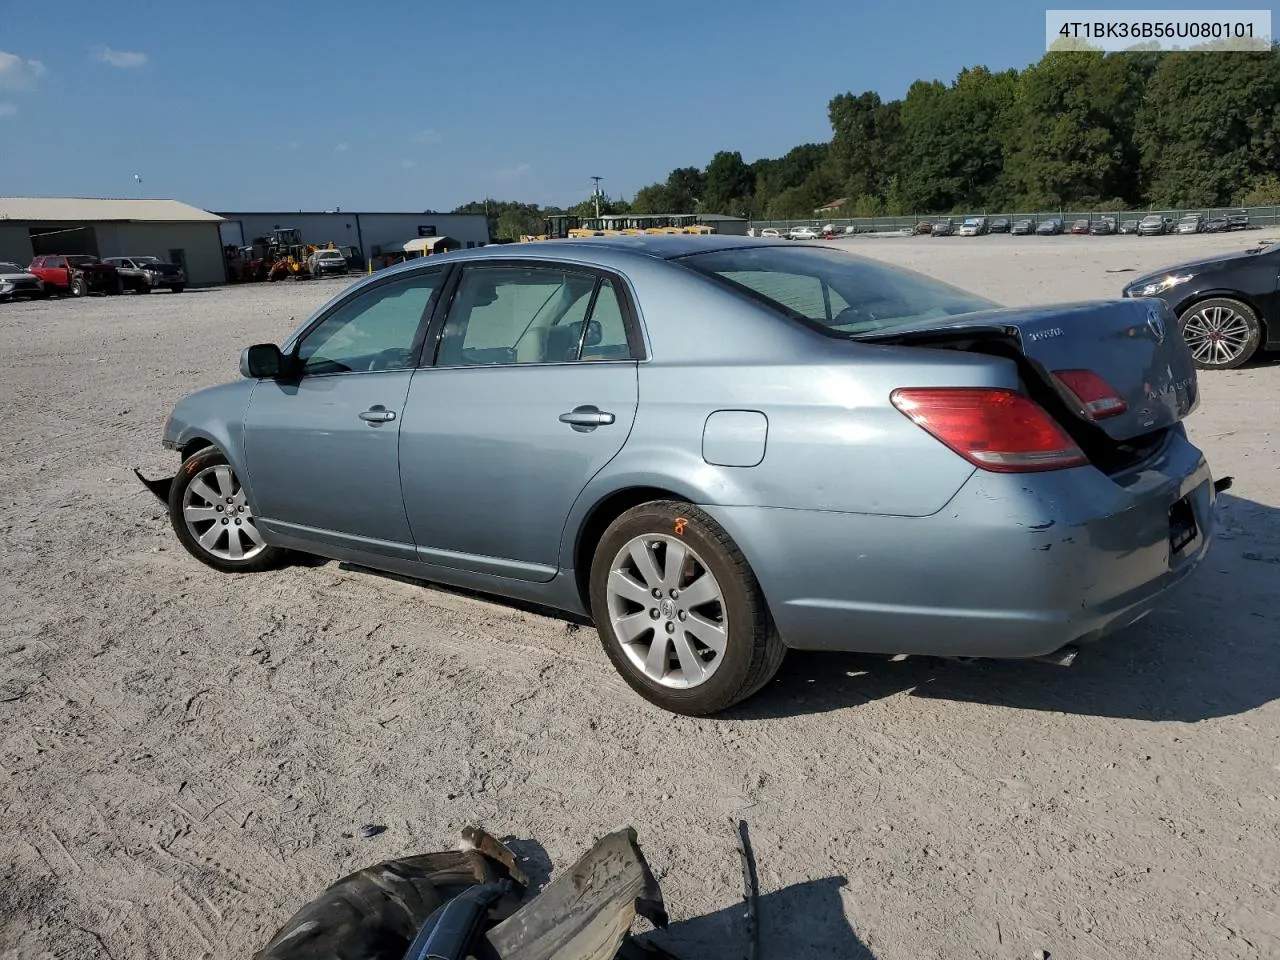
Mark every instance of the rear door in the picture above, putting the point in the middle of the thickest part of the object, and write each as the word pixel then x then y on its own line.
pixel 53 270
pixel 532 391
pixel 321 449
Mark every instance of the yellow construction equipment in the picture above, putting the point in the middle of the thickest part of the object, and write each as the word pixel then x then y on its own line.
pixel 564 226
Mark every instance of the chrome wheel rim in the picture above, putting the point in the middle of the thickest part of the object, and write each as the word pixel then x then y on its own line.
pixel 218 517
pixel 1216 335
pixel 667 611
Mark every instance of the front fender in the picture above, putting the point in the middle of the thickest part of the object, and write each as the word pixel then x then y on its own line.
pixel 215 416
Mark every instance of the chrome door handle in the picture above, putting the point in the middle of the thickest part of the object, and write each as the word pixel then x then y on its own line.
pixel 587 417
pixel 378 414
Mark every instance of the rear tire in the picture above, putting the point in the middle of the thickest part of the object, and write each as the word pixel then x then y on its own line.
pixel 722 606
pixel 1222 333
pixel 212 518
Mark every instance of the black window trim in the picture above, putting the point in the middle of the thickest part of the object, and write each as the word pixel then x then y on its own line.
pixel 420 334
pixel 622 290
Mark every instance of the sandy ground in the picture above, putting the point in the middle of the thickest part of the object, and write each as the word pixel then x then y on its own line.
pixel 185 757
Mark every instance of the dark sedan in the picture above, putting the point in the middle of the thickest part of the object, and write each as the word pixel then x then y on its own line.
pixel 1049 227
pixel 1228 307
pixel 1000 225
pixel 1102 228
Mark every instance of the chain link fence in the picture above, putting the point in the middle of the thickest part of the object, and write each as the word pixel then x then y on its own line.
pixel 1258 217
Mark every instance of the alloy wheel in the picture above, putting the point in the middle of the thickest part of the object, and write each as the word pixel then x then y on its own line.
pixel 218 517
pixel 1216 335
pixel 667 611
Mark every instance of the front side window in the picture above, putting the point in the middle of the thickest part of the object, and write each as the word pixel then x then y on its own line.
pixel 503 315
pixel 374 330
pixel 837 293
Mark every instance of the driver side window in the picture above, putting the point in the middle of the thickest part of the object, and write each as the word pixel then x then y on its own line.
pixel 372 331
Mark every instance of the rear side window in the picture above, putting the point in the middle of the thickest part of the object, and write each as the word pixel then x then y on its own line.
pixel 834 292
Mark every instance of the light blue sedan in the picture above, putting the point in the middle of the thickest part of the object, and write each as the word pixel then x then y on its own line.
pixel 719 449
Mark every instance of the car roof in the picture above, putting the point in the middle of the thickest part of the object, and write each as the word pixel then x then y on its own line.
pixel 662 246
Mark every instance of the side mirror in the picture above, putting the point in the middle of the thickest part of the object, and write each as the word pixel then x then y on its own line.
pixel 262 360
pixel 595 334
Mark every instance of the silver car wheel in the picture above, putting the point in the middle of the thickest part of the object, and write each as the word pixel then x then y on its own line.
pixel 1216 335
pixel 218 517
pixel 667 611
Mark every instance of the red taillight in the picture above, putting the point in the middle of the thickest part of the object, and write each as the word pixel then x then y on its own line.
pixel 1097 399
pixel 998 430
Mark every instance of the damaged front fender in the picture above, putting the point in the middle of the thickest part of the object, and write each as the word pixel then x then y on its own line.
pixel 159 487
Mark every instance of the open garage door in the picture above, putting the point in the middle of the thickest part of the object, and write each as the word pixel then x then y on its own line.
pixel 64 239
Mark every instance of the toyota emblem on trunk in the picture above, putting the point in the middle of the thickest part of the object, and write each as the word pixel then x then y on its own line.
pixel 1155 323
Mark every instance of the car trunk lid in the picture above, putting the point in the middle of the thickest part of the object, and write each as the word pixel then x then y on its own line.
pixel 1134 348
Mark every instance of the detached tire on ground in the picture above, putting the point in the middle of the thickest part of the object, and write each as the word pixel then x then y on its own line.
pixel 1222 333
pixel 679 610
pixel 212 518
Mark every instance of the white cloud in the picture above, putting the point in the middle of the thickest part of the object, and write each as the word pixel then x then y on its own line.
pixel 124 59
pixel 19 74
pixel 7 110
pixel 341 148
pixel 511 174
pixel 408 164
pixel 426 136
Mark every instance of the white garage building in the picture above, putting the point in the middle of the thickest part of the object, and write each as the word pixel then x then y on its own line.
pixel 370 233
pixel 173 231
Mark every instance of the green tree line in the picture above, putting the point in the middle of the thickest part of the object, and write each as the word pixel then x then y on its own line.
pixel 1076 129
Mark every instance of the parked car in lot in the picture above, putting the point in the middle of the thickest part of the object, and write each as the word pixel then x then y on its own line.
pixel 16 281
pixel 771 233
pixel 144 274
pixel 1000 225
pixel 924 226
pixel 1129 226
pixel 1152 226
pixel 325 263
pixel 1238 221
pixel 975 227
pixel 718 449
pixel 1227 306
pixel 1103 228
pixel 76 274
pixel 943 228
pixel 1080 226
pixel 1191 223
pixel 1024 228
pixel 803 233
pixel 1049 227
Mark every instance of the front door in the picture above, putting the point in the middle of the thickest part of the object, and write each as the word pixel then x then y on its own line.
pixel 321 449
pixel 532 392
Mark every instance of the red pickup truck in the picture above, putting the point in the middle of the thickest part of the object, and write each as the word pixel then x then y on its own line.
pixel 76 274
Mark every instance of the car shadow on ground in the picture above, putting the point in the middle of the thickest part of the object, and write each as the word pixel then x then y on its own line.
pixel 1209 651
pixel 802 920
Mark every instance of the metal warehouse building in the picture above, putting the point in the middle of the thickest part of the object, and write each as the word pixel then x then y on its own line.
pixel 370 233
pixel 173 231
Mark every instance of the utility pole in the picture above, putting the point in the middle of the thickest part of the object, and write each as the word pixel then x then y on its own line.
pixel 596 193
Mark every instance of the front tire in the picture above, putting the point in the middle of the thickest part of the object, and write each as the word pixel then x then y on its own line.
pixel 79 287
pixel 679 610
pixel 212 517
pixel 1222 333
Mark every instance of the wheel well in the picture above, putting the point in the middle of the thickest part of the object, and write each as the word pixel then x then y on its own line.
pixel 597 522
pixel 195 446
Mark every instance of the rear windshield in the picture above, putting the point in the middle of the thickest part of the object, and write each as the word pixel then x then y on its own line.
pixel 835 292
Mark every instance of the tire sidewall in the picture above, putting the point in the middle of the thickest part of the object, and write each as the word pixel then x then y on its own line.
pixel 1246 311
pixel 191 467
pixel 741 598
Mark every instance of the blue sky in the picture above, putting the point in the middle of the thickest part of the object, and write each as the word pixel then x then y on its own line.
pixel 256 106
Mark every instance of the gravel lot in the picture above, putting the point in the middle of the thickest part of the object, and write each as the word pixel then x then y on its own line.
pixel 185 757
